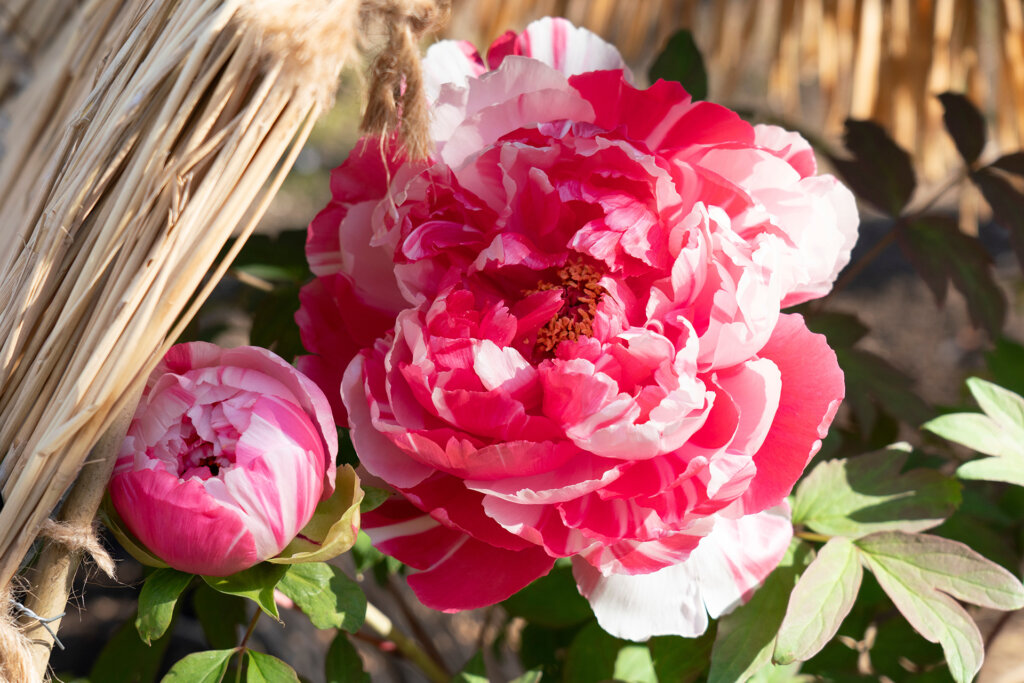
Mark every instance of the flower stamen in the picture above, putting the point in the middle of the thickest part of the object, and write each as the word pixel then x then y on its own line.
pixel 581 293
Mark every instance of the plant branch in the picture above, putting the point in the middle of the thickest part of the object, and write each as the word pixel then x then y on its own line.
pixel 379 622
pixel 252 627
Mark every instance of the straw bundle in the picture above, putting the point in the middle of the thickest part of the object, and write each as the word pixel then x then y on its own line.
pixel 150 131
pixel 817 62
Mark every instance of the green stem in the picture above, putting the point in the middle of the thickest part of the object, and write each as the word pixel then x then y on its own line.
pixel 242 647
pixel 811 536
pixel 379 622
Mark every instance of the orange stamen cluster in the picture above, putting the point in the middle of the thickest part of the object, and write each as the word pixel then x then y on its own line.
pixel 581 293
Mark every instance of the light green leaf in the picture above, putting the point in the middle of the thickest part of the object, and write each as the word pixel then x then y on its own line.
pixel 334 525
pixel 976 431
pixel 934 615
pixel 343 664
pixel 264 668
pixel 1002 405
pixel 634 665
pixel 200 667
pixel 858 496
pixel 328 597
pixel 159 594
pixel 935 563
pixel 746 638
pixel 256 583
pixel 531 676
pixel 819 602
pixel 1009 470
pixel 789 673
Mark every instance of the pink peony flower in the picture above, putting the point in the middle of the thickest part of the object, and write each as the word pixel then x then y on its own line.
pixel 226 458
pixel 570 333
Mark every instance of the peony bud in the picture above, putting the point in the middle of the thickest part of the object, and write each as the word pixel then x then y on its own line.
pixel 226 459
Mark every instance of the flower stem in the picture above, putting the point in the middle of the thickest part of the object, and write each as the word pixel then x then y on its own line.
pixel 252 627
pixel 379 622
pixel 811 536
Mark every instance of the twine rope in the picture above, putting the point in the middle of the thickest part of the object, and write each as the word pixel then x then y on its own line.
pixel 15 647
pixel 396 99
pixel 80 538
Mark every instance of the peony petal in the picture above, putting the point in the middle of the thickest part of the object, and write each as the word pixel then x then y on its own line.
pixel 450 61
pixel 559 44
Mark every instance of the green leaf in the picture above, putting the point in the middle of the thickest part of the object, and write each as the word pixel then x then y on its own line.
pixel 935 563
pixel 263 668
pixel 934 615
pixel 328 597
pixel 552 601
pixel 789 673
pixel 334 525
pixel 1008 470
pixel 841 329
pixel 681 660
pixel 159 594
pixel 974 430
pixel 1002 405
pixel 682 62
pixel 872 381
pixel 746 638
pixel 373 498
pixel 592 654
pixel 256 583
pixel 200 667
pixel 126 646
pixel 858 496
pixel 965 124
pixel 819 602
pixel 220 615
pixel 343 664
pixel 1006 202
pixel 941 253
pixel 474 671
pixel 134 547
pixel 880 171
pixel 634 665
pixel 1006 363
pixel 531 676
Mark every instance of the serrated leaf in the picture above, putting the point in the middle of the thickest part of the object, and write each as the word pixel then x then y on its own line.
pixel 746 638
pixel 880 171
pixel 1007 204
pixel 220 615
pixel 328 597
pixel 343 663
pixel 923 560
pixel 933 614
pixel 333 527
pixel 157 599
pixel 682 62
pixel 200 667
pixel 819 602
pixel 965 125
pixel 858 496
pixel 264 668
pixel 1011 163
pixel 552 601
pixel 974 430
pixel 941 253
pixel 681 660
pixel 1002 405
pixel 256 583
pixel 1008 470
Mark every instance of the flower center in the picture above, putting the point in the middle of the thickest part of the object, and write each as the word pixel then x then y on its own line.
pixel 580 295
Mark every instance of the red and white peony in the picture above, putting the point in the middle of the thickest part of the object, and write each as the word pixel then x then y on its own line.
pixel 226 459
pixel 561 335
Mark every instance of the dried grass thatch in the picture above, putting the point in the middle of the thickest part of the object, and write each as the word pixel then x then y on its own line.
pixel 148 132
pixel 816 62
